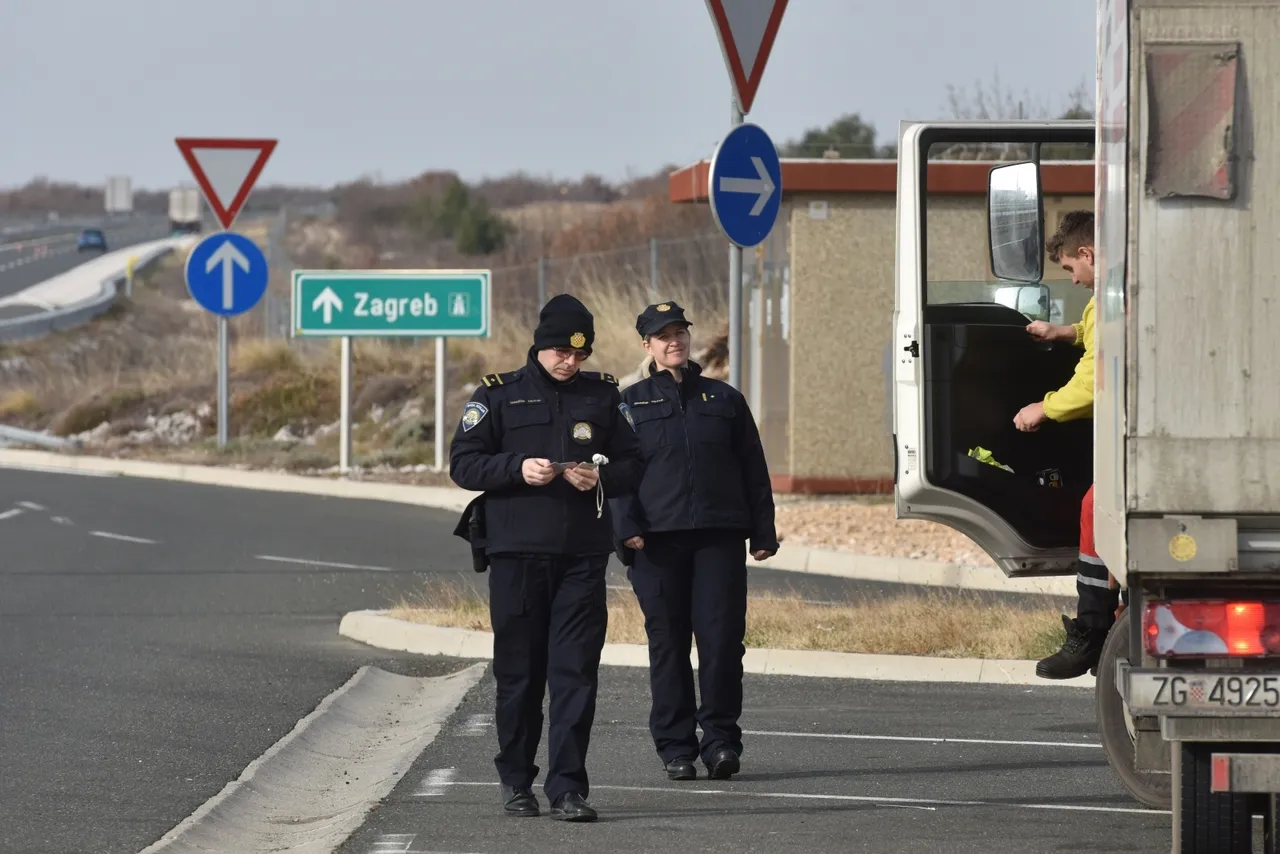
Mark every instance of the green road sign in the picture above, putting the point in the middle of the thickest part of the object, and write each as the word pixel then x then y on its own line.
pixel 391 303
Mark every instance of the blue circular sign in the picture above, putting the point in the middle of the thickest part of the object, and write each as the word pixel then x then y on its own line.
pixel 745 185
pixel 226 274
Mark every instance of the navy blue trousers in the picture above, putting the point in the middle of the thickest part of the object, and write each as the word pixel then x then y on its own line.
pixel 549 617
pixel 693 585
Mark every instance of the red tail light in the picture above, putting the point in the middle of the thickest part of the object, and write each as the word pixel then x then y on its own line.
pixel 1211 629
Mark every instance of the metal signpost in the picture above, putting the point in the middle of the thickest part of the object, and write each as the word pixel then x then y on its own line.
pixel 746 30
pixel 438 304
pixel 226 273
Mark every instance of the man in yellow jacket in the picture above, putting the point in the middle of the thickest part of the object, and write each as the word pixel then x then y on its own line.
pixel 1072 247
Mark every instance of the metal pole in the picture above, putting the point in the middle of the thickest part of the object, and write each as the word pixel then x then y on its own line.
pixel 441 369
pixel 542 285
pixel 653 269
pixel 344 417
pixel 222 382
pixel 735 293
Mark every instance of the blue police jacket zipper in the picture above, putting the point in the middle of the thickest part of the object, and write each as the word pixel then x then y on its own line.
pixel 564 457
pixel 688 453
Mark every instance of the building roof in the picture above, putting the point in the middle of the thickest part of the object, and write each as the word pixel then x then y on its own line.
pixel 1062 178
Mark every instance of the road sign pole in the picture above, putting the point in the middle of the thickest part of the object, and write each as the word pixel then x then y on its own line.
pixel 222 382
pixel 441 372
pixel 735 288
pixel 344 418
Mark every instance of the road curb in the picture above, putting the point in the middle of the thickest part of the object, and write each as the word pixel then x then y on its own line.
pixel 367 734
pixel 790 558
pixel 378 629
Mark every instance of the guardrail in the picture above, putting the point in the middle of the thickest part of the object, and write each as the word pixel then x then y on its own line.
pixel 42 323
pixel 18 436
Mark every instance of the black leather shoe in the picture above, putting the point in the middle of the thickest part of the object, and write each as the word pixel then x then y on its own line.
pixel 681 769
pixel 519 802
pixel 723 764
pixel 572 807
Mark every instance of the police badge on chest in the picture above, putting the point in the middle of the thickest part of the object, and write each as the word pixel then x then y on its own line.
pixel 582 433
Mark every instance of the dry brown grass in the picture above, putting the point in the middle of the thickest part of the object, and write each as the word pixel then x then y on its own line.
pixel 941 624
pixel 157 354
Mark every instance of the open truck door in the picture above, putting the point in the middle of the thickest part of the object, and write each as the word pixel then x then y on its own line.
pixel 963 362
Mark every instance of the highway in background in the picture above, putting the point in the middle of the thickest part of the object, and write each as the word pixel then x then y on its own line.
pixel 28 261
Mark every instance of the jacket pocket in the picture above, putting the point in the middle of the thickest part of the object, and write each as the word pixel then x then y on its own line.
pixel 524 428
pixel 653 424
pixel 715 421
pixel 589 427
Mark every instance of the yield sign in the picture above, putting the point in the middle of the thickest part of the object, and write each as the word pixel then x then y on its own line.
pixel 746 29
pixel 226 170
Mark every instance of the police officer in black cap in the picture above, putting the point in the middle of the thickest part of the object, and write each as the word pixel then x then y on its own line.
pixel 705 491
pixel 527 441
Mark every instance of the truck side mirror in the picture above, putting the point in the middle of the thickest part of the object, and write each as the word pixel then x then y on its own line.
pixel 1031 300
pixel 1015 217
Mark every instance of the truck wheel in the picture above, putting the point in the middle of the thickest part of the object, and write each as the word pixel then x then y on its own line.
pixel 1115 725
pixel 1207 822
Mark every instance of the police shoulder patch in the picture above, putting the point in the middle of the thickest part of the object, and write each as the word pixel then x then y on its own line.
pixel 626 413
pixel 472 414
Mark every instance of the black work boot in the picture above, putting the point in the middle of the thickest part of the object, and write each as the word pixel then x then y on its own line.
pixel 1079 652
pixel 519 802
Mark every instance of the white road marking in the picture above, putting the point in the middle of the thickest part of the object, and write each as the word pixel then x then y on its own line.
pixel 31 505
pixel 62 520
pixel 9 514
pixel 477 725
pixel 393 843
pixel 926 739
pixel 867 799
pixel 309 562
pixel 436 782
pixel 107 535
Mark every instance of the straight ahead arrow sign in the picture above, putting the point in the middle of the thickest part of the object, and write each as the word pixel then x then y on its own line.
pixel 229 257
pixel 761 186
pixel 327 302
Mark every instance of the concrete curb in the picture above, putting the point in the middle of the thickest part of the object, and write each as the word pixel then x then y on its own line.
pixel 789 558
pixel 367 733
pixel 377 629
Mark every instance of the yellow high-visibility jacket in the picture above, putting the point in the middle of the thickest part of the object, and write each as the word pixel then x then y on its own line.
pixel 1075 399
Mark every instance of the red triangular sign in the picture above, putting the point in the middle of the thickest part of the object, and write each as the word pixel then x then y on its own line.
pixel 226 170
pixel 746 29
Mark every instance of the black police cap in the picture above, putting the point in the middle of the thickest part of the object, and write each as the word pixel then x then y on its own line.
pixel 655 317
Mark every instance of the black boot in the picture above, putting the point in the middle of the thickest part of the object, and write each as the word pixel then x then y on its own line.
pixel 722 764
pixel 572 807
pixel 1079 652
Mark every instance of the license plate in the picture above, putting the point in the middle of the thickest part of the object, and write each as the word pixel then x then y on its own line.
pixel 1166 692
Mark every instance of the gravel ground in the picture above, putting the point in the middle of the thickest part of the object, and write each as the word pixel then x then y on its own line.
pixel 867 526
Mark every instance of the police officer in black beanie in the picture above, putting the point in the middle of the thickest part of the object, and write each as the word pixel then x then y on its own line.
pixel 704 500
pixel 527 441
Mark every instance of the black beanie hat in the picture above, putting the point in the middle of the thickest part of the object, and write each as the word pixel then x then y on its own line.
pixel 564 322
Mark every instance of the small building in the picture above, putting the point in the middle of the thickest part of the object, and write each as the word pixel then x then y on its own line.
pixel 819 301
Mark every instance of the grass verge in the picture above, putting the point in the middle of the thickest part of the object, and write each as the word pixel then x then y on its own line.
pixel 940 624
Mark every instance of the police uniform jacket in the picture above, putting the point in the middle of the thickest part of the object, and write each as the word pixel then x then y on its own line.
pixel 704 463
pixel 526 414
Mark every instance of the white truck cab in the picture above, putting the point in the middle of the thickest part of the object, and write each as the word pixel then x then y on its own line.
pixel 1183 448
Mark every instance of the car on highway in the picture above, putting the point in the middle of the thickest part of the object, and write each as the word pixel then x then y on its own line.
pixel 92 238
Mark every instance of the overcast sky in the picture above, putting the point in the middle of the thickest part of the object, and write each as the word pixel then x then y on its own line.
pixel 483 87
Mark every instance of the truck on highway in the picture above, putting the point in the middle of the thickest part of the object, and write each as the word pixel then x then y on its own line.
pixel 1183 449
pixel 184 210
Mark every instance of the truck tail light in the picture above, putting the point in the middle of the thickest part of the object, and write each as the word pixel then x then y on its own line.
pixel 1187 628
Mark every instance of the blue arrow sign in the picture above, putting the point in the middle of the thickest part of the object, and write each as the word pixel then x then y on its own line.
pixel 745 185
pixel 226 274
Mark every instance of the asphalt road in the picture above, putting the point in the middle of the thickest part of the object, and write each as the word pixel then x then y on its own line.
pixel 829 765
pixel 156 637
pixel 30 261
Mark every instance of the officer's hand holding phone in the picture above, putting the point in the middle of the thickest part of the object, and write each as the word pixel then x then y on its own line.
pixel 537 472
